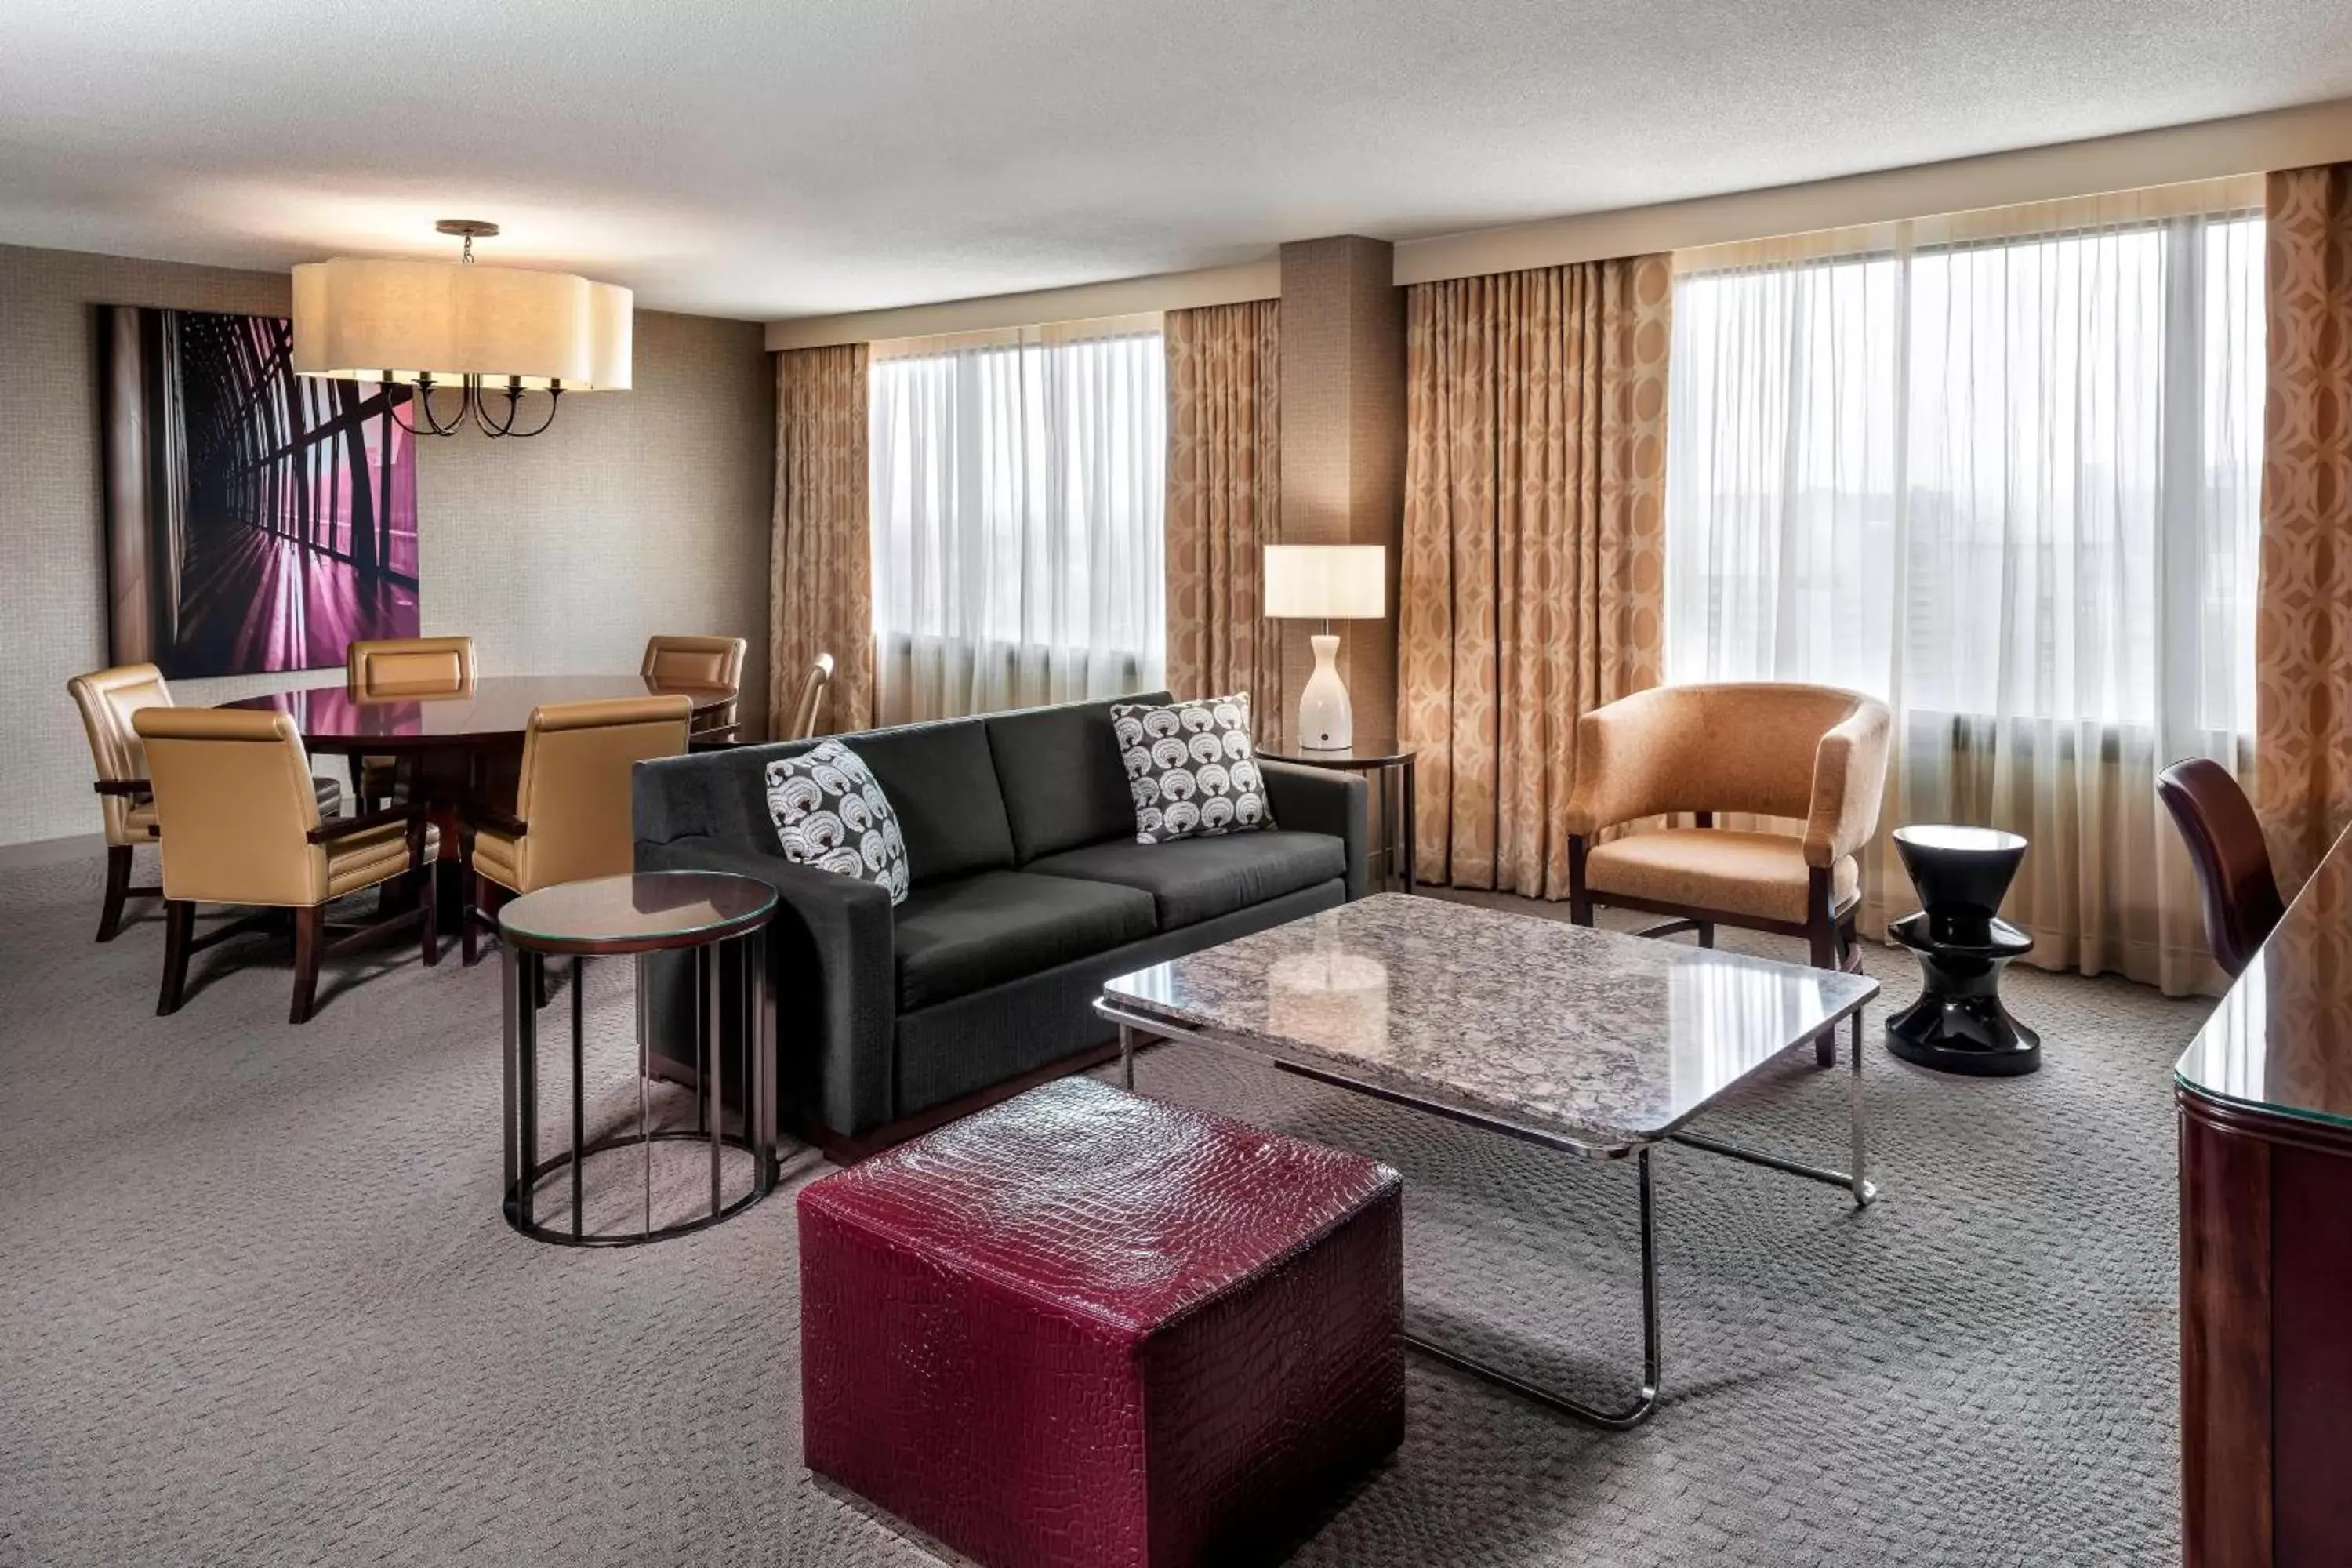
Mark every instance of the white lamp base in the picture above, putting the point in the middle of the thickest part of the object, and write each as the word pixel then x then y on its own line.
pixel 1325 723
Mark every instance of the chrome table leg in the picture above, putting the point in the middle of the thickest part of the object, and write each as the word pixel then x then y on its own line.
pixel 1643 1403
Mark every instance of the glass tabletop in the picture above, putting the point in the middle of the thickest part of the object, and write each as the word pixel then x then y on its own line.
pixel 1367 750
pixel 1601 1037
pixel 492 707
pixel 638 911
pixel 2280 1040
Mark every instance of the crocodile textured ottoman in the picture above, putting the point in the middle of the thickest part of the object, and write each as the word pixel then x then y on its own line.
pixel 1087 1329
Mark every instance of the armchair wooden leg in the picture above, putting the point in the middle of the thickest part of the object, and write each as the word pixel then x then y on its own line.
pixel 429 899
pixel 469 923
pixel 179 930
pixel 117 888
pixel 1706 930
pixel 1821 936
pixel 310 947
pixel 1579 905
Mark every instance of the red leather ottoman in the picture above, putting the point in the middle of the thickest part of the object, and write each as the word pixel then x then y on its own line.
pixel 1083 1328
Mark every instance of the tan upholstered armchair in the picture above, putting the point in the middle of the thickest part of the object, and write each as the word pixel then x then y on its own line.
pixel 107 698
pixel 240 826
pixel 1809 752
pixel 698 664
pixel 402 668
pixel 571 803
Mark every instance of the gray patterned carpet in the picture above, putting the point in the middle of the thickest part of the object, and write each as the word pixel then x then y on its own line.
pixel 259 1307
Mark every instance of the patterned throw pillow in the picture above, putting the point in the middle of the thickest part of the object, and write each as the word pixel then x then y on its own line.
pixel 830 813
pixel 1190 768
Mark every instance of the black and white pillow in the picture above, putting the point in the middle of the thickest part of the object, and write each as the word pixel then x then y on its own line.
pixel 1190 768
pixel 830 813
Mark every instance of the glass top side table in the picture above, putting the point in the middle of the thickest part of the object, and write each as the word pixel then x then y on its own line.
pixel 722 919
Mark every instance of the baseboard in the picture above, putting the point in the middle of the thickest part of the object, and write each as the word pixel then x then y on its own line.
pixel 52 851
pixel 843 1151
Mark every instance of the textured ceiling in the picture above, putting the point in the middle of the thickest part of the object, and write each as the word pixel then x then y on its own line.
pixel 789 159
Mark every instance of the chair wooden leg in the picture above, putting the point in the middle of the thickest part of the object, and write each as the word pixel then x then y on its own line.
pixel 469 925
pixel 1821 934
pixel 428 899
pixel 117 888
pixel 1706 932
pixel 179 930
pixel 310 946
pixel 1579 905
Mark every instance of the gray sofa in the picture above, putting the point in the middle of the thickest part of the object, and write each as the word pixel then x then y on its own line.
pixel 1028 892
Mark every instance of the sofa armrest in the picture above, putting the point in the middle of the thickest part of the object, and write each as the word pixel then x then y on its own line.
pixel 1322 800
pixel 833 965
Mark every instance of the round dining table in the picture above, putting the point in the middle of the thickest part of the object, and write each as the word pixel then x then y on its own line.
pixel 460 749
pixel 489 715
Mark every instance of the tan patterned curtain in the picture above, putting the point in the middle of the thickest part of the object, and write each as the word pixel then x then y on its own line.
pixel 1531 585
pixel 821 566
pixel 2303 636
pixel 1224 488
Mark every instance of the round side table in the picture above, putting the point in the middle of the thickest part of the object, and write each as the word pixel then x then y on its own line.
pixel 1388 768
pixel 1958 1024
pixel 709 912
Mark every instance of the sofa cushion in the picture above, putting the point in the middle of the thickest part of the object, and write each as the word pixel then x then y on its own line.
pixel 1063 780
pixel 1761 876
pixel 832 813
pixel 970 933
pixel 942 784
pixel 1190 769
pixel 1195 879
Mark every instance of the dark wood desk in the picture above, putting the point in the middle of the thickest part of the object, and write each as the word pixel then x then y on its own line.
pixel 2265 1116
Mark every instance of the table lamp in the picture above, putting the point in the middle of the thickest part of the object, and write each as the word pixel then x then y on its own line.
pixel 1325 582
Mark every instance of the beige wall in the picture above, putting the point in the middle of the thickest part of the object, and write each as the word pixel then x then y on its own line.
pixel 640 511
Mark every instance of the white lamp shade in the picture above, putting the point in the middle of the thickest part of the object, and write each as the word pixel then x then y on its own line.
pixel 1326 582
pixel 363 318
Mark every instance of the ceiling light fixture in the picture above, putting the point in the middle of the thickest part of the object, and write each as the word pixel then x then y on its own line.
pixel 492 331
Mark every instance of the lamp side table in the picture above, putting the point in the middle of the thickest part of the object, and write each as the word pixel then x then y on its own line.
pixel 1388 767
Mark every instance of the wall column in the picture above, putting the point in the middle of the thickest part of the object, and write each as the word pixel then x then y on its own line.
pixel 1343 445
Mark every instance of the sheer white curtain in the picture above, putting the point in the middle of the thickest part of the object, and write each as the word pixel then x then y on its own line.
pixel 2001 469
pixel 1017 488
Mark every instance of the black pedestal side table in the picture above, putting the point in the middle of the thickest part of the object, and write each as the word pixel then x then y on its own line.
pixel 1388 768
pixel 1958 1024
pixel 722 918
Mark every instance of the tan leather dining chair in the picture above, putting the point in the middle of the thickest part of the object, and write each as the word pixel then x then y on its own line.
pixel 241 825
pixel 810 702
pixel 402 666
pixel 107 698
pixel 572 802
pixel 1815 753
pixel 702 664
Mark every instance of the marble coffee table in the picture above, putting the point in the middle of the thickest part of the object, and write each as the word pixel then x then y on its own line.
pixel 1589 1042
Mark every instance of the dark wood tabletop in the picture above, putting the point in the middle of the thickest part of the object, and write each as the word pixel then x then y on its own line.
pixel 495 710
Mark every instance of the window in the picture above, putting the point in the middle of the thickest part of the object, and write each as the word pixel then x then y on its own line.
pixel 2001 467
pixel 1017 495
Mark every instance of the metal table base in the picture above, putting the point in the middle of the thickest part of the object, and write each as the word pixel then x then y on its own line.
pixel 1135 1029
pixel 525 1171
